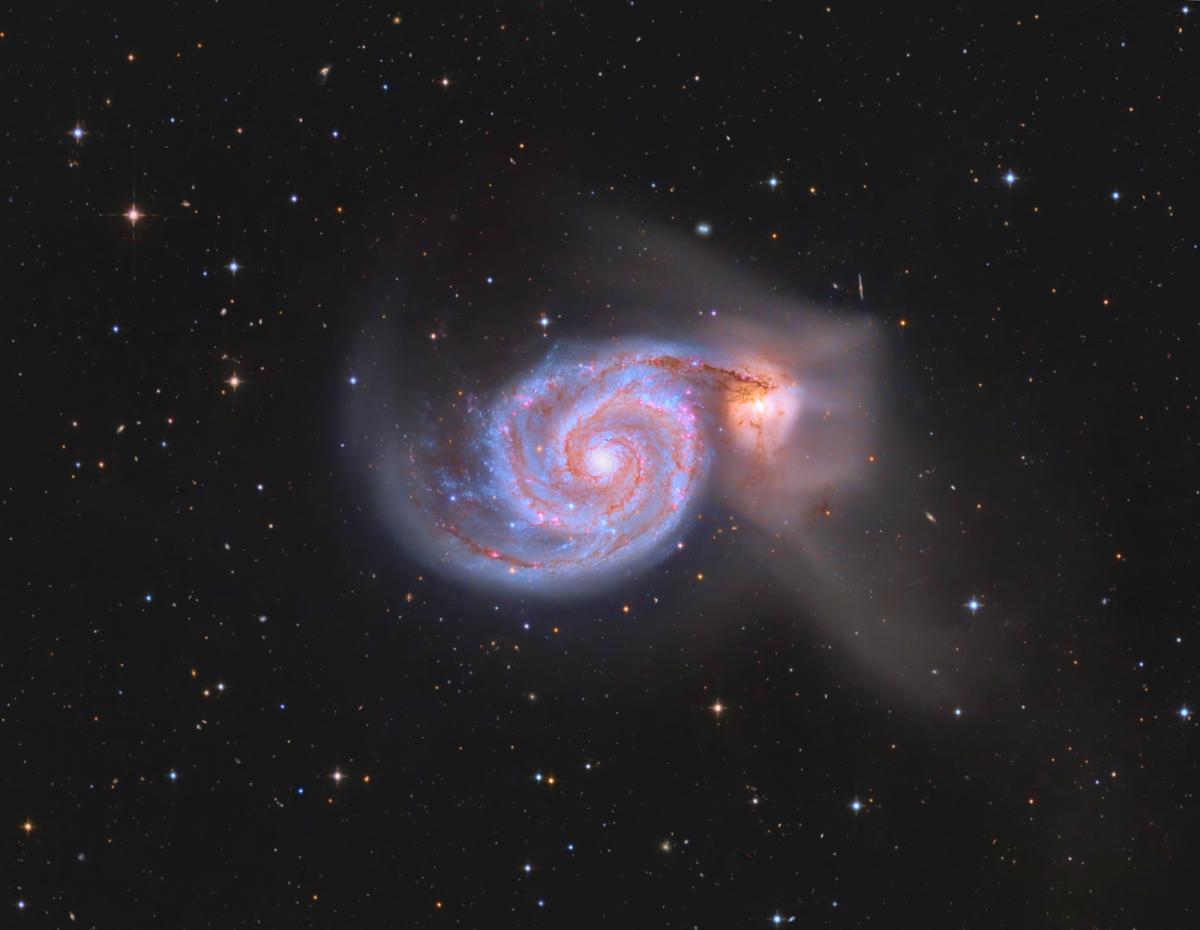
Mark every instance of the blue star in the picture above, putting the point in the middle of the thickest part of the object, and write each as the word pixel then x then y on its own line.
pixel 1010 179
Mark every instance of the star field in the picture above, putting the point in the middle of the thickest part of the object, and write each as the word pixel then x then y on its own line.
pixel 936 666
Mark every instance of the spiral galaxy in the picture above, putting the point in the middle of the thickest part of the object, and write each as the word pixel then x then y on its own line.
pixel 587 452
pixel 591 463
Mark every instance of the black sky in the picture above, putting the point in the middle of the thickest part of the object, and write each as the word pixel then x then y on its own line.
pixel 230 699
